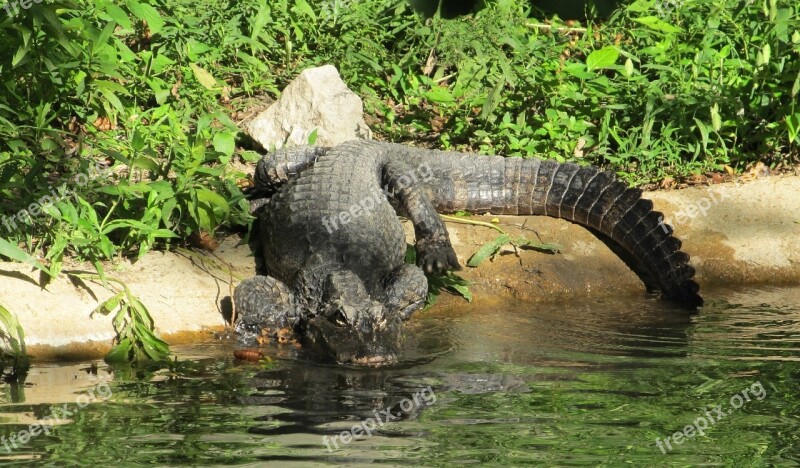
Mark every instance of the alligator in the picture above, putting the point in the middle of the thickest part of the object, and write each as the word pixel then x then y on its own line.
pixel 330 248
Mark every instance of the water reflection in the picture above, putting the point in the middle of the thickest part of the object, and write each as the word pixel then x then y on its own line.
pixel 506 383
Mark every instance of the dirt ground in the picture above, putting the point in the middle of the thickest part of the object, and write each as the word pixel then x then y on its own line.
pixel 735 233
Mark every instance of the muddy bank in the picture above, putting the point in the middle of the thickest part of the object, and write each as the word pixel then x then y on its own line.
pixel 187 295
pixel 744 233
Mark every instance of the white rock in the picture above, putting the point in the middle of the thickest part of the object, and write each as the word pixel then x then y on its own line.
pixel 316 99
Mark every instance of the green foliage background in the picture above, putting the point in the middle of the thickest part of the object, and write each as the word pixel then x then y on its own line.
pixel 656 89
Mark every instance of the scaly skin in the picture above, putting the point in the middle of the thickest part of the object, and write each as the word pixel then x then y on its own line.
pixel 338 282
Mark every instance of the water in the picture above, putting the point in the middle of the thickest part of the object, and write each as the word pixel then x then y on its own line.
pixel 511 384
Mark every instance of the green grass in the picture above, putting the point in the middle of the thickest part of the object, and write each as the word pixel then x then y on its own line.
pixel 14 361
pixel 120 112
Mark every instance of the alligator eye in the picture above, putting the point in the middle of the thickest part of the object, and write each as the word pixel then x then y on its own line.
pixel 340 320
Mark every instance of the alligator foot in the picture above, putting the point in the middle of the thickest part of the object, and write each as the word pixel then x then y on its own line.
pixel 436 255
pixel 406 290
pixel 266 311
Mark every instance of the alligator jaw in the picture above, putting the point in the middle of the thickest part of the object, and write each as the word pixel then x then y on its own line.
pixel 349 345
pixel 374 361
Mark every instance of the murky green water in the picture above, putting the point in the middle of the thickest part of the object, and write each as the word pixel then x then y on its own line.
pixel 586 383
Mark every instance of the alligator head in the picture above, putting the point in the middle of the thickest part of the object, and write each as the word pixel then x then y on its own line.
pixel 342 321
pixel 351 326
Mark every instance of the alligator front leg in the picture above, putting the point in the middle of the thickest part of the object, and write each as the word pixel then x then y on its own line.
pixel 278 167
pixel 406 290
pixel 434 252
pixel 266 310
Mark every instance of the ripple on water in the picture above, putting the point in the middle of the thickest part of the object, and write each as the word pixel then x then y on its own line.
pixel 579 383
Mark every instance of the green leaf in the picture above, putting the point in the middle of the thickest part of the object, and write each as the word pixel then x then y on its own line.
pixel 703 132
pixel 13 252
pixel 109 305
pixel 578 70
pixel 204 77
pixel 440 95
pixel 217 201
pixel 137 142
pixel 411 255
pixel 11 332
pixel 112 99
pixel 302 7
pixel 155 348
pixel 136 224
pixel 493 99
pixel 629 68
pixel 53 20
pixel 463 290
pixel 450 282
pixel 147 163
pixel 793 127
pixel 796 85
pixel 100 272
pixel 147 13
pixel 640 6
pixel 119 16
pixel 602 58
pixel 657 24
pixel 194 49
pixel 259 22
pixel 121 352
pixel 716 120
pixel 208 208
pixel 152 351
pixel 102 38
pixel 166 211
pixel 488 249
pixel 20 54
pixel 224 143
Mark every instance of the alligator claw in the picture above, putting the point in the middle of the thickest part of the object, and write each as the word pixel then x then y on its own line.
pixel 436 257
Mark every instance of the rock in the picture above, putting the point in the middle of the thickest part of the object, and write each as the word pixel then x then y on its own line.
pixel 316 99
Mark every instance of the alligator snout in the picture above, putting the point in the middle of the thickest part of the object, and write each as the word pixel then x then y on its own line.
pixel 353 344
pixel 374 361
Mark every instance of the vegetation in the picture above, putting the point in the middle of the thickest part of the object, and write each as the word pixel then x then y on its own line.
pixel 118 119
pixel 133 324
pixel 14 360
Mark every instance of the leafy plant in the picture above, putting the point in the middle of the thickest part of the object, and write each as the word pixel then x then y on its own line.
pixel 12 346
pixel 450 282
pixel 493 247
pixel 13 252
pixel 136 341
pixel 438 282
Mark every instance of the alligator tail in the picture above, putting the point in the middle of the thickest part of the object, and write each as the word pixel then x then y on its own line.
pixel 595 199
